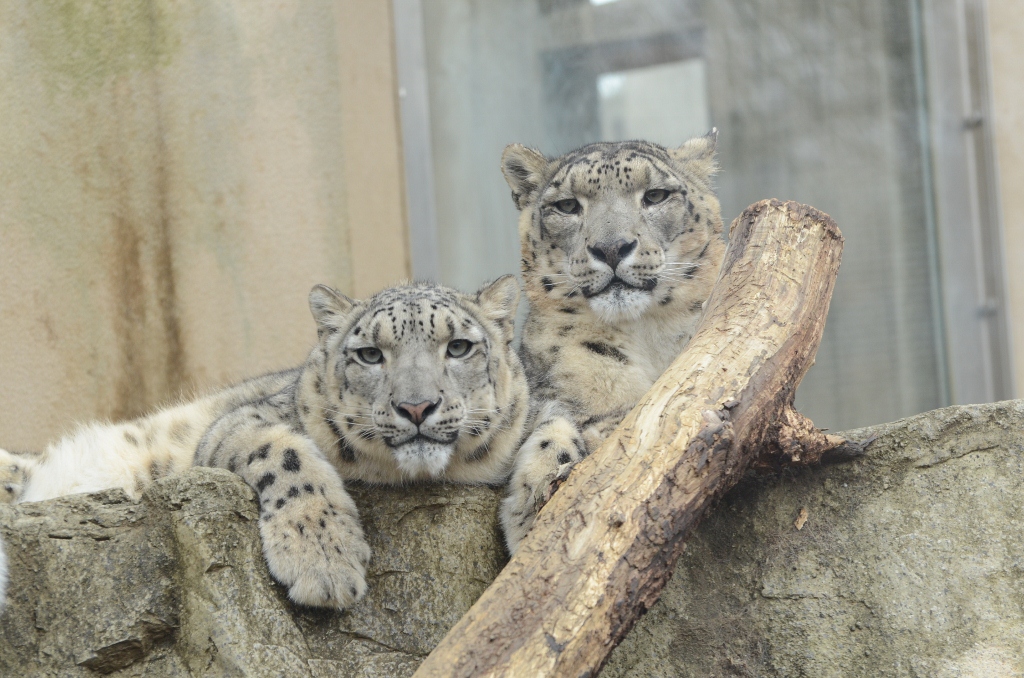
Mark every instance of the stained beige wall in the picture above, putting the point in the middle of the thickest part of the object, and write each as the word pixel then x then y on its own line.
pixel 1006 38
pixel 174 176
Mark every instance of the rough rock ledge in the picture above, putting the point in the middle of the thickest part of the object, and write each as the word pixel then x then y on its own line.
pixel 907 562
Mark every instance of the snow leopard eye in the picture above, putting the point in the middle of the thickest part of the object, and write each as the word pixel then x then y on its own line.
pixel 370 355
pixel 654 196
pixel 458 348
pixel 568 206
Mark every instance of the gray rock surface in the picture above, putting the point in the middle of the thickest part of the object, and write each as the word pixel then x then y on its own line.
pixel 175 585
pixel 910 563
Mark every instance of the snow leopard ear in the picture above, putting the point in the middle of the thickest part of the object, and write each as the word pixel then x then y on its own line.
pixel 524 170
pixel 698 154
pixel 499 302
pixel 329 307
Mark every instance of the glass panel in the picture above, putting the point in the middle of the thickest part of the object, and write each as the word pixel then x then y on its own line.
pixel 816 101
pixel 663 103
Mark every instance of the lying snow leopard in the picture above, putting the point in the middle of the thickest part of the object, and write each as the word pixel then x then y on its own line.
pixel 621 245
pixel 419 382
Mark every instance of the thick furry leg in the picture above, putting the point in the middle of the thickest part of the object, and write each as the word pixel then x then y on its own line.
pixel 15 472
pixel 546 458
pixel 312 538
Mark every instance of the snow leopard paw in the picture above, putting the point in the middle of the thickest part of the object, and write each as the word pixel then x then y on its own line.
pixel 544 462
pixel 315 547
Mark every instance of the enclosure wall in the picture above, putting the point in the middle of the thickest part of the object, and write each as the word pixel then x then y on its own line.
pixel 174 177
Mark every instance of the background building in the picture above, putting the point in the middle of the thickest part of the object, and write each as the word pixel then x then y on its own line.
pixel 174 176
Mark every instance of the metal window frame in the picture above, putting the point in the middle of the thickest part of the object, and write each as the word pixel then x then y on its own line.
pixel 965 196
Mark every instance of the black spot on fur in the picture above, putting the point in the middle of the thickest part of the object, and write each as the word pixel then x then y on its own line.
pixel 570 311
pixel 280 503
pixel 606 350
pixel 260 453
pixel 291 461
pixel 346 453
pixel 233 463
pixel 697 306
pixel 293 491
pixel 479 454
pixel 563 457
pixel 545 444
pixel 130 438
pixel 322 523
pixel 308 488
pixel 265 481
pixel 548 285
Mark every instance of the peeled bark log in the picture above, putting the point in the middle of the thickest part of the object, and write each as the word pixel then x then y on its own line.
pixel 607 542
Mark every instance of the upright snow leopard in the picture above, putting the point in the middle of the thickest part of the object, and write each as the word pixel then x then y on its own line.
pixel 621 245
pixel 418 382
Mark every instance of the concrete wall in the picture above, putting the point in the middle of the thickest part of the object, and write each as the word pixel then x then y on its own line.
pixel 174 176
pixel 1006 40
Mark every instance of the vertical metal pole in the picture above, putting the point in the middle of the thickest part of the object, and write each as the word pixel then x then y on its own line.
pixel 927 180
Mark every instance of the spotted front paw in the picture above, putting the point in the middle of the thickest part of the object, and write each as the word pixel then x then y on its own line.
pixel 544 462
pixel 315 547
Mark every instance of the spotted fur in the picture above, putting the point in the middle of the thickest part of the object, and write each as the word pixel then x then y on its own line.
pixel 383 397
pixel 621 245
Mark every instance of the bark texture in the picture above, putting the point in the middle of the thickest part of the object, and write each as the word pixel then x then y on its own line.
pixel 605 545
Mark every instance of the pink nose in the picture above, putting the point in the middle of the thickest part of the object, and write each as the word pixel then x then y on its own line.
pixel 418 412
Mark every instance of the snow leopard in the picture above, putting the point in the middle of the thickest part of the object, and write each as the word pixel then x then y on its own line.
pixel 621 245
pixel 420 382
